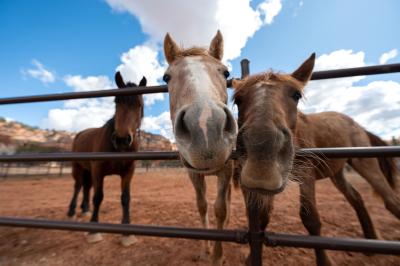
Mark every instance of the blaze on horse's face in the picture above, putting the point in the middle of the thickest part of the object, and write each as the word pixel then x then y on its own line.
pixel 128 114
pixel 204 128
pixel 267 105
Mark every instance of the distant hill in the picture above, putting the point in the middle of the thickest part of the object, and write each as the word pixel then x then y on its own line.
pixel 16 137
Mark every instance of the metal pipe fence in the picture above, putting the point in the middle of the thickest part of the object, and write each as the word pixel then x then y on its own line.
pixel 360 152
pixel 237 236
pixel 317 75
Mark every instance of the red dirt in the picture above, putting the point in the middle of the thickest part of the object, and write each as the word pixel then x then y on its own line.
pixel 165 197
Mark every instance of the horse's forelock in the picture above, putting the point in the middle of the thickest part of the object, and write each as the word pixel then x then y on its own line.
pixel 130 100
pixel 266 77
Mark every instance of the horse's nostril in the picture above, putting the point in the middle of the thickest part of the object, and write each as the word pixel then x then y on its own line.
pixel 286 133
pixel 181 129
pixel 230 123
pixel 128 140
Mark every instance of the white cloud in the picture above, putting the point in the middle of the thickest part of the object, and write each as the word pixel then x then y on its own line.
pixel 270 9
pixel 160 124
pixel 78 118
pixel 375 105
pixel 142 60
pixel 79 114
pixel 40 72
pixel 387 56
pixel 196 22
pixel 90 83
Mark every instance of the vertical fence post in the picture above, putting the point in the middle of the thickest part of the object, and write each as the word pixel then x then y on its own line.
pixel 245 66
pixel 256 236
pixel 61 168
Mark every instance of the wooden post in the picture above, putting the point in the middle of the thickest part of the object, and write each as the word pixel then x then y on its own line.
pixel 61 168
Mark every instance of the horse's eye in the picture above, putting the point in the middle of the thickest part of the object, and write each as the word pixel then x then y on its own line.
pixel 226 74
pixel 166 78
pixel 296 96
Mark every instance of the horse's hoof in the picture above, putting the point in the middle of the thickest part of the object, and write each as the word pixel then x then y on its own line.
pixel 86 214
pixel 217 262
pixel 127 241
pixel 94 238
pixel 71 218
pixel 202 257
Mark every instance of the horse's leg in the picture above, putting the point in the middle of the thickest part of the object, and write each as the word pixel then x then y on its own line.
pixel 98 181
pixel 309 215
pixel 87 185
pixel 126 240
pixel 77 173
pixel 199 185
pixel 370 170
pixel 357 203
pixel 222 208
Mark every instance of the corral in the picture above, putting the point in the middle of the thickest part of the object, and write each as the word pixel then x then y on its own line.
pixel 239 236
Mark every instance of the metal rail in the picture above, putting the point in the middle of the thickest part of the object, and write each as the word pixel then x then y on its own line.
pixel 356 71
pixel 328 74
pixel 345 152
pixel 143 230
pixel 333 243
pixel 236 236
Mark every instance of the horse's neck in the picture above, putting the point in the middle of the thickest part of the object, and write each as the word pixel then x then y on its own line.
pixel 303 134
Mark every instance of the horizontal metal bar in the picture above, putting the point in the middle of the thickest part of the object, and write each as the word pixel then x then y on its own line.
pixel 356 71
pixel 356 152
pixel 89 156
pixel 142 230
pixel 338 73
pixel 238 236
pixel 333 243
pixel 83 94
pixel 345 152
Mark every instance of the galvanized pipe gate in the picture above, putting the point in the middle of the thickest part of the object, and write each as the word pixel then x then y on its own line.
pixel 237 236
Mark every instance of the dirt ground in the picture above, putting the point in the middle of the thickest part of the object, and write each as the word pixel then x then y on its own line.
pixel 166 197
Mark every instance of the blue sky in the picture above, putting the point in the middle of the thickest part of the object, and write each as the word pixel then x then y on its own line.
pixel 76 39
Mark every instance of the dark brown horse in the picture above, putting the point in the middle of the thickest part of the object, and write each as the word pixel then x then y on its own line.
pixel 119 134
pixel 271 128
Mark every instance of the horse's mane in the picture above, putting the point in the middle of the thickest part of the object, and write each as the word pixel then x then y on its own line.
pixel 110 127
pixel 265 77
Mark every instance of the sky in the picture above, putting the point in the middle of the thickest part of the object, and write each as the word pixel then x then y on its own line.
pixel 52 46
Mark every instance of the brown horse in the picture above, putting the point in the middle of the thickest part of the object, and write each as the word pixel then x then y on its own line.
pixel 271 128
pixel 119 134
pixel 204 128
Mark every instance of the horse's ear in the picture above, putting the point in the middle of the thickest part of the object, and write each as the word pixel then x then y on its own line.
pixel 119 80
pixel 171 49
pixel 303 73
pixel 143 82
pixel 217 46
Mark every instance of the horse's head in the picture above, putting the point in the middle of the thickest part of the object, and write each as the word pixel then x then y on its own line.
pixel 128 114
pixel 267 105
pixel 204 128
